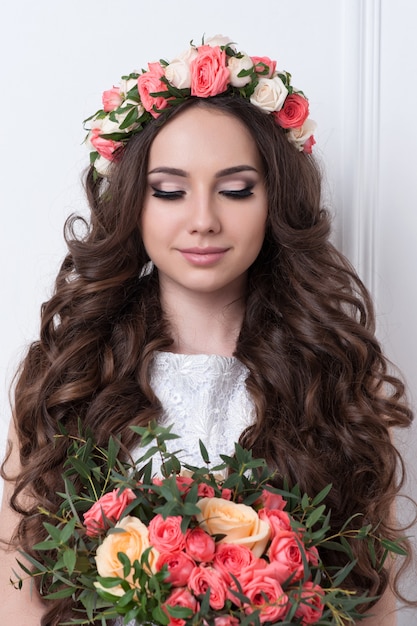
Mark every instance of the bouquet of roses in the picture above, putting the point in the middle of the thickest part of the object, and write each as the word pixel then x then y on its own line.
pixel 197 545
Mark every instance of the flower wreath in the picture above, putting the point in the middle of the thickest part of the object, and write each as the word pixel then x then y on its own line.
pixel 213 68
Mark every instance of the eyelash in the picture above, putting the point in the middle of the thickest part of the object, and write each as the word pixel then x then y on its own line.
pixel 246 192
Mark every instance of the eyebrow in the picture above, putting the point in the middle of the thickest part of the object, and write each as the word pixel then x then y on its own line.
pixel 225 172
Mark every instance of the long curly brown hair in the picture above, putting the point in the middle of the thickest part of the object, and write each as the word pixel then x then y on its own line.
pixel 325 401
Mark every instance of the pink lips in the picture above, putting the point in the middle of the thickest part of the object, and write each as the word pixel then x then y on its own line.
pixel 203 256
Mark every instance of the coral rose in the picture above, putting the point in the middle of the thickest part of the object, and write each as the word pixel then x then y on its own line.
pixel 271 500
pixel 149 83
pixel 278 520
pixel 133 542
pixel 264 66
pixel 266 594
pixel 294 112
pixel 105 147
pixel 311 606
pixel 239 523
pixel 180 597
pixel 179 565
pixel 232 559
pixel 165 534
pixel 199 545
pixel 107 510
pixel 209 74
pixel 112 99
pixel 203 578
pixel 286 556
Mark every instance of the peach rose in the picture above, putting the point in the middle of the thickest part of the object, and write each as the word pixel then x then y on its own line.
pixel 107 510
pixel 203 578
pixel 179 565
pixel 166 534
pixel 269 94
pixel 199 545
pixel 294 112
pixel 180 597
pixel 311 608
pixel 209 74
pixel 264 66
pixel 112 99
pixel 239 523
pixel 266 594
pixel 150 82
pixel 133 542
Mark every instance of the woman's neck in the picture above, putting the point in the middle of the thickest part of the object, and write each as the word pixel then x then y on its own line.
pixel 203 323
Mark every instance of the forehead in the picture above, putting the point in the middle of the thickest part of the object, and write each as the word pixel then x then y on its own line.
pixel 205 137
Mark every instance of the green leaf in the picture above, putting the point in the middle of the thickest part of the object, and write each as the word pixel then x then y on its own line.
pixel 392 546
pixel 67 592
pixel 322 495
pixel 70 558
pixel 203 452
pixel 314 517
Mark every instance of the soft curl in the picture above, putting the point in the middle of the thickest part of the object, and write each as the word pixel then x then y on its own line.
pixel 325 401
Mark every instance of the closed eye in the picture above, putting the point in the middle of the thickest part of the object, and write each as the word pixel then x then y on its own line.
pixel 238 193
pixel 167 195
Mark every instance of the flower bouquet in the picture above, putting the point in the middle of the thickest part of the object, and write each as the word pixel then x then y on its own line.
pixel 196 545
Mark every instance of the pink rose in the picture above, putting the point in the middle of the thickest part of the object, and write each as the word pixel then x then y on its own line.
pixel 266 594
pixel 180 597
pixel 179 565
pixel 107 510
pixel 205 491
pixel 311 607
pixel 203 578
pixel 293 113
pixel 271 500
pixel 105 147
pixel 184 483
pixel 199 545
pixel 264 64
pixel 149 83
pixel 226 620
pixel 165 534
pixel 209 74
pixel 112 99
pixel 278 520
pixel 232 559
pixel 285 554
pixel 226 493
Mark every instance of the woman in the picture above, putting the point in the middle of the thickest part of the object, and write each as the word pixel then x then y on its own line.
pixel 204 291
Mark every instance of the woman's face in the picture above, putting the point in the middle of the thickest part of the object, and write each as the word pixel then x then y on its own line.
pixel 203 220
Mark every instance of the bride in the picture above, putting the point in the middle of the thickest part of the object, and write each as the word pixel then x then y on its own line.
pixel 204 292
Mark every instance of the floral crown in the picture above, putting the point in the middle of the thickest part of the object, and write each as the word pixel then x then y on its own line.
pixel 213 68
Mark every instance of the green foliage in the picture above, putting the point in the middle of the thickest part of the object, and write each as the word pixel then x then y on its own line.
pixel 65 558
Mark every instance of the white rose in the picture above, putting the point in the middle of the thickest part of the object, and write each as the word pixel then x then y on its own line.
pixel 127 85
pixel 178 71
pixel 219 40
pixel 269 94
pixel 102 165
pixel 298 136
pixel 236 65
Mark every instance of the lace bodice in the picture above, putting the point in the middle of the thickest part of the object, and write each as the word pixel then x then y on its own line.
pixel 204 397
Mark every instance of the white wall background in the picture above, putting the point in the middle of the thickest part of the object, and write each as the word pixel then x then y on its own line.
pixel 355 59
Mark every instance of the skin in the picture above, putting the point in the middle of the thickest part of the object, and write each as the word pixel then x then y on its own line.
pixel 203 225
pixel 202 294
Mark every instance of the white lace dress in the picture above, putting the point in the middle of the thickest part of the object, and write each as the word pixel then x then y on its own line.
pixel 204 397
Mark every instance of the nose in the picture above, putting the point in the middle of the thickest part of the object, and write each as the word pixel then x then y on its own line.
pixel 204 215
